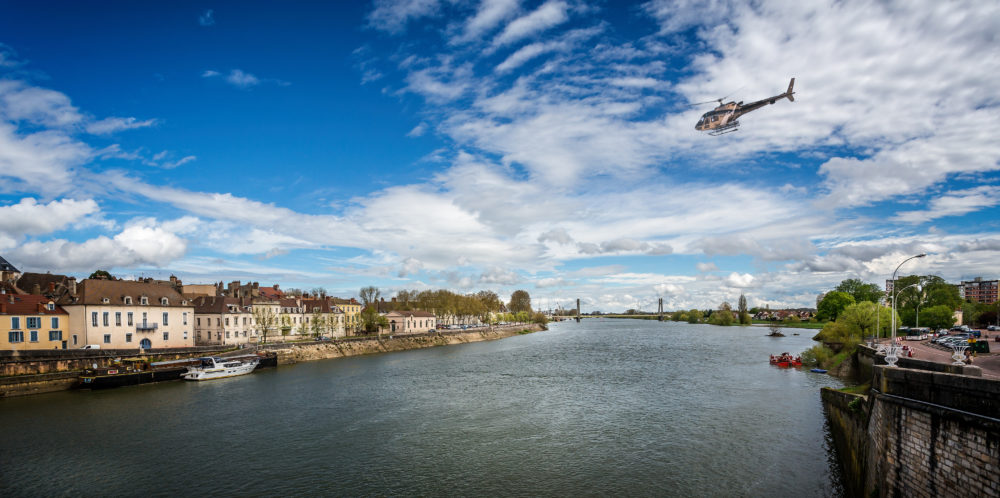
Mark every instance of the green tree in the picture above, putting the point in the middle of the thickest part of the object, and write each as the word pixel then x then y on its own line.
pixel 724 316
pixel 742 307
pixel 264 320
pixel 519 301
pixel 832 304
pixel 317 323
pixel 860 291
pixel 102 275
pixel 695 316
pixel 937 317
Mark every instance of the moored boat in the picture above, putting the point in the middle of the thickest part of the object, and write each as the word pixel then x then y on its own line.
pixel 214 367
pixel 786 360
pixel 129 372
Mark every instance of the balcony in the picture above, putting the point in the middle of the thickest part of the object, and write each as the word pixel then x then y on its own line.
pixel 145 327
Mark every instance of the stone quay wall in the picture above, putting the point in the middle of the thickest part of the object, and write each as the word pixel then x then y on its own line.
pixel 34 362
pixel 918 433
pixel 321 350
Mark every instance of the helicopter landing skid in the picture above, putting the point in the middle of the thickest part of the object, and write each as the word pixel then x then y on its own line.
pixel 722 130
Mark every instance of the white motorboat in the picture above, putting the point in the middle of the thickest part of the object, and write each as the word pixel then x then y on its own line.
pixel 214 367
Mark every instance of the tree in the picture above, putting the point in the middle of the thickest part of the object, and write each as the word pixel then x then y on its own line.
pixel 286 325
pixel 695 316
pixel 860 291
pixel 317 324
pixel 519 301
pixel 371 320
pixel 832 304
pixel 724 316
pixel 264 318
pixel 937 317
pixel 369 295
pixel 742 307
pixel 102 275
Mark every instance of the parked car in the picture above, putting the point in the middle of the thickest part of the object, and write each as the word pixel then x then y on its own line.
pixel 92 346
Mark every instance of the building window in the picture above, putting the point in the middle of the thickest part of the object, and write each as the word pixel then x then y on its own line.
pixel 185 318
pixel 55 322
pixel 144 300
pixel 185 335
pixel 227 334
pixel 74 339
pixel 227 321
pixel 166 336
pixel 244 321
pixel 163 301
pixel 55 335
pixel 105 300
pixel 107 338
pixel 15 322
pixel 34 322
pixel 106 316
pixel 164 318
pixel 198 335
pixel 93 318
pixel 143 318
pixel 129 318
pixel 118 319
pixel 15 336
pixel 128 300
pixel 50 306
pixel 128 337
pixel 33 335
pixel 218 322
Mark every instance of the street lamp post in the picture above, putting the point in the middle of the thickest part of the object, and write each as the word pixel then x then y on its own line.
pixel 892 353
pixel 892 356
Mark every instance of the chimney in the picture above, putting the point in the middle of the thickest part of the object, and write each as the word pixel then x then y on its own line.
pixel 52 287
pixel 36 289
pixel 275 286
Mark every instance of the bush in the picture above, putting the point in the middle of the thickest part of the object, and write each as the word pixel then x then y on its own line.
pixel 817 356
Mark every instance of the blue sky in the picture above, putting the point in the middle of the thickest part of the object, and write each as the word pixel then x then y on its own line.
pixel 502 144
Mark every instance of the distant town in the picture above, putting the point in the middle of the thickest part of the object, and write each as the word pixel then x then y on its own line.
pixel 50 311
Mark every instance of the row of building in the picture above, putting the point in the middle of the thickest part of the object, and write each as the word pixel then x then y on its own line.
pixel 46 311
pixel 977 289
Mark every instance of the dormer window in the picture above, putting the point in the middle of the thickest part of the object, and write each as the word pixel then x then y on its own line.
pixel 50 306
pixel 105 300
pixel 128 300
pixel 184 302
pixel 163 301
pixel 144 300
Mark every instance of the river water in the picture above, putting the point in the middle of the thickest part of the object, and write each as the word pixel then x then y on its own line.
pixel 602 407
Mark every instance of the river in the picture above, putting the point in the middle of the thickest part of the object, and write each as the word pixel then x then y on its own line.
pixel 601 407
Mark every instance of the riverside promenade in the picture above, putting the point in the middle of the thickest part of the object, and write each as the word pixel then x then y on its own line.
pixel 989 362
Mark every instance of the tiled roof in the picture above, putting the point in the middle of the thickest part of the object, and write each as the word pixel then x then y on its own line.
pixel 27 304
pixel 5 266
pixel 217 305
pixel 93 291
pixel 417 314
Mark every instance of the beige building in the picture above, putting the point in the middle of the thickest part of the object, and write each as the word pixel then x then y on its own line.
pixel 409 322
pixel 352 313
pixel 322 317
pixel 128 314
pixel 220 320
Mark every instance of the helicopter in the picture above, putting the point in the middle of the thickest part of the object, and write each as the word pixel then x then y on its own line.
pixel 723 119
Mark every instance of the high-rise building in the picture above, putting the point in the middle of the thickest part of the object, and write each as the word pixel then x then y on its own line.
pixel 979 290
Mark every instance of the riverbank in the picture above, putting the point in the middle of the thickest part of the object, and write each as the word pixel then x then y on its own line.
pixel 323 350
pixel 39 375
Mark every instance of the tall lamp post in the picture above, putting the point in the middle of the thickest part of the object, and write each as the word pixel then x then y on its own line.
pixel 892 356
pixel 892 353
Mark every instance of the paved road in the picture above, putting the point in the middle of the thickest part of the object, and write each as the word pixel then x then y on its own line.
pixel 990 362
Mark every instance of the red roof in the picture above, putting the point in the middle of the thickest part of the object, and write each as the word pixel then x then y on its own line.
pixel 271 293
pixel 28 304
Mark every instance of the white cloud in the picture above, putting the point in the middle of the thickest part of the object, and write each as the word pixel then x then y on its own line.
pixel 740 280
pixel 210 73
pixel 954 204
pixel 706 267
pixel 497 275
pixel 40 106
pixel 393 15
pixel 136 245
pixel 207 19
pixel 488 16
pixel 112 125
pixel 27 217
pixel 241 79
pixel 549 14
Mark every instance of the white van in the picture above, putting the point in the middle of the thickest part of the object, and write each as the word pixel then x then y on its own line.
pixel 92 346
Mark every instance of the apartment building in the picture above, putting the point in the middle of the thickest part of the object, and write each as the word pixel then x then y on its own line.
pixel 128 314
pixel 979 290
pixel 32 322
pixel 220 320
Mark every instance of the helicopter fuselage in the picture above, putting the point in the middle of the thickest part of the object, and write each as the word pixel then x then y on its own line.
pixel 724 117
